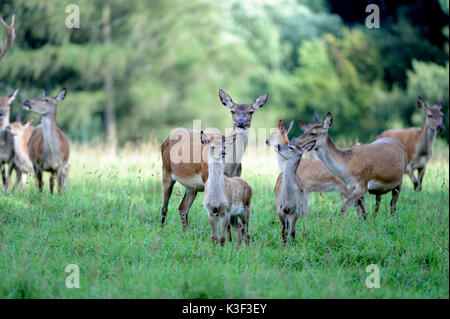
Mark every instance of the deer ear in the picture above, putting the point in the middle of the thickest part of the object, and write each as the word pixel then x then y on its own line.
pixel 61 95
pixel 203 138
pixel 260 101
pixel 301 125
pixel 327 121
pixel 13 96
pixel 316 118
pixel 225 99
pixel 421 104
pixel 289 127
pixel 29 122
pixel 308 146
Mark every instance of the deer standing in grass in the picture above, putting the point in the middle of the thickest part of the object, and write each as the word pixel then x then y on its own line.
pixel 376 168
pixel 182 158
pixel 228 198
pixel 314 175
pixel 289 189
pixel 48 146
pixel 419 142
pixel 6 140
pixel 21 161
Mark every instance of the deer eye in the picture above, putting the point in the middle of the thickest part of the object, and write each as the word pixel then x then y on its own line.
pixel 233 112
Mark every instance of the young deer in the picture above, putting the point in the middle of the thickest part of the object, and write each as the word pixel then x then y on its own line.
pixel 21 161
pixel 419 142
pixel 314 175
pixel 289 188
pixel 6 141
pixel 48 146
pixel 228 198
pixel 182 158
pixel 377 167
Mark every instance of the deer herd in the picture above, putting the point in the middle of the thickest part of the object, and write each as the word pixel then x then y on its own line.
pixel 211 162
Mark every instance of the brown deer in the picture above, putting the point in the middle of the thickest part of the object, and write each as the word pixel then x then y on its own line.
pixel 21 161
pixel 376 168
pixel 419 142
pixel 11 36
pixel 48 146
pixel 6 140
pixel 314 175
pixel 182 157
pixel 228 198
pixel 289 188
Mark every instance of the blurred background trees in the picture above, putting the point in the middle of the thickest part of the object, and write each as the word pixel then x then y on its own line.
pixel 137 69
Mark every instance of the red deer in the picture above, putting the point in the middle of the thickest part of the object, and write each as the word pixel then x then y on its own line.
pixel 186 144
pixel 289 188
pixel 314 175
pixel 11 36
pixel 21 161
pixel 419 142
pixel 6 140
pixel 376 168
pixel 228 198
pixel 48 146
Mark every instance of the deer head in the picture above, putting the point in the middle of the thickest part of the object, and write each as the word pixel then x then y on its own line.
pixel 5 105
pixel 217 145
pixel 304 127
pixel 433 113
pixel 18 128
pixel 293 151
pixel 242 113
pixel 317 132
pixel 44 105
pixel 280 135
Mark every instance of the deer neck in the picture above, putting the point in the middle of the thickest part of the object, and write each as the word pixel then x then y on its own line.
pixel 215 184
pixel 334 159
pixel 21 152
pixel 234 158
pixel 50 134
pixel 426 140
pixel 5 121
pixel 289 186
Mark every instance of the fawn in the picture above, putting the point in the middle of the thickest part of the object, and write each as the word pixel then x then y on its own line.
pixel 228 198
pixel 289 188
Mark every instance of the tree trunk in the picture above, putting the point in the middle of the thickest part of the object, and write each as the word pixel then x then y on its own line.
pixel 108 83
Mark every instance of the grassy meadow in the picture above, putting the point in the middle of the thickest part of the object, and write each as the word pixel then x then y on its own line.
pixel 107 222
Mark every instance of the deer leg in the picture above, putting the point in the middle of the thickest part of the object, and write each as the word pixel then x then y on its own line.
pixel 168 183
pixel 421 171
pixel 395 195
pixel 245 217
pixel 213 221
pixel 305 203
pixel 355 196
pixel 185 206
pixel 229 233
pixel 52 182
pixel 39 181
pixel 413 178
pixel 60 179
pixel 3 173
pixel 239 229
pixel 283 222
pixel 377 202
pixel 23 181
pixel 18 179
pixel 223 230
pixel 362 205
pixel 11 166
pixel 292 221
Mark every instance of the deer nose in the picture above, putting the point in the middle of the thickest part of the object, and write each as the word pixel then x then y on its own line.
pixel 241 123
pixel 441 127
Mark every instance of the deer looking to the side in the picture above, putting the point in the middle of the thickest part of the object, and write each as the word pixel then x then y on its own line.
pixel 419 142
pixel 289 188
pixel 48 146
pixel 6 140
pixel 314 175
pixel 186 144
pixel 228 198
pixel 21 161
pixel 376 168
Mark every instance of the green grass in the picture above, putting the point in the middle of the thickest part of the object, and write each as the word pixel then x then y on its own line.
pixel 107 222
